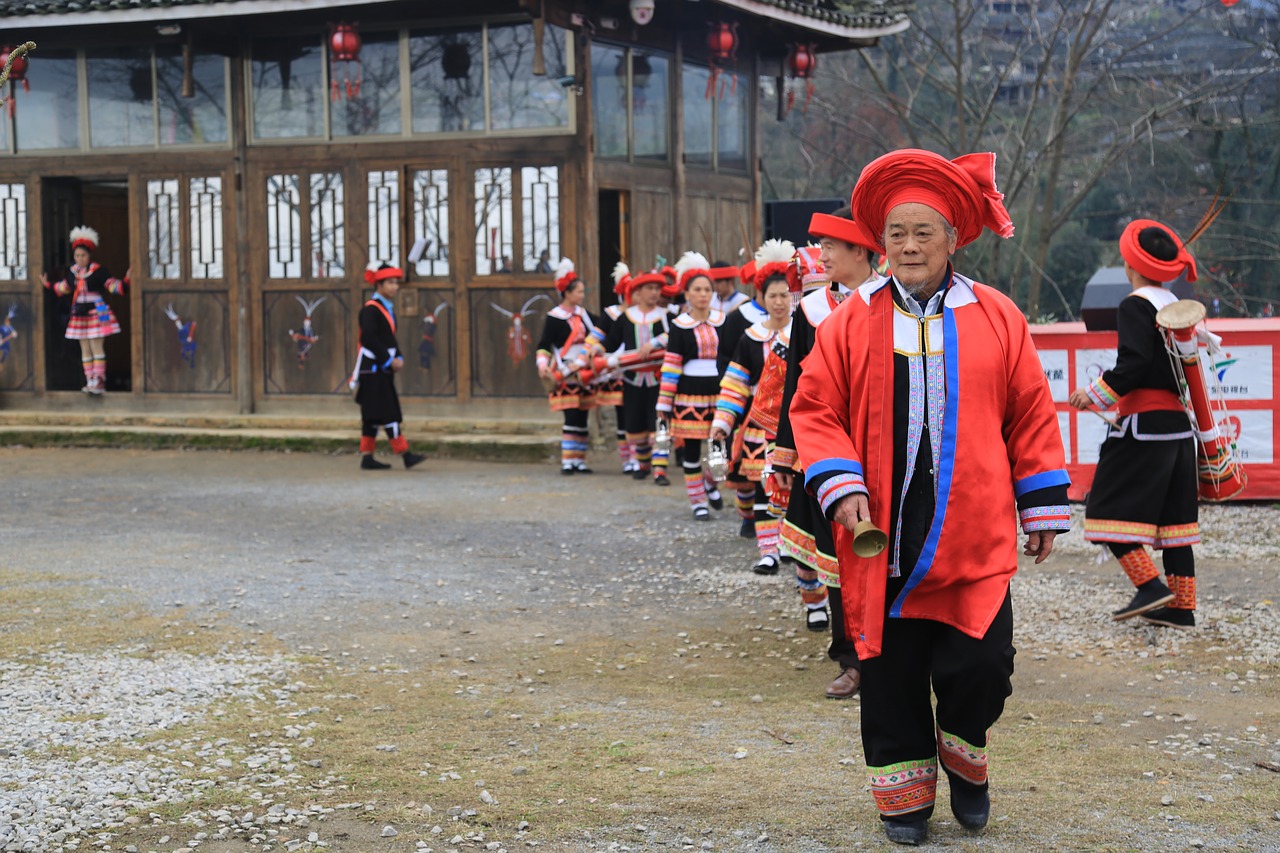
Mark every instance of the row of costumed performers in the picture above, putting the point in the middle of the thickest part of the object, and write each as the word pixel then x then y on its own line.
pixel 709 381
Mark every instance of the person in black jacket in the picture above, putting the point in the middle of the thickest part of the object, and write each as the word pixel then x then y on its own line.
pixel 92 320
pixel 376 368
pixel 1145 490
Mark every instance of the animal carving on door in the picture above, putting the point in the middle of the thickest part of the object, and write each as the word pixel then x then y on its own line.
pixel 519 341
pixel 186 335
pixel 427 348
pixel 304 340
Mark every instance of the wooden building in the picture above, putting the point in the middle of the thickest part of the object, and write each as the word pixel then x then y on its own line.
pixel 245 159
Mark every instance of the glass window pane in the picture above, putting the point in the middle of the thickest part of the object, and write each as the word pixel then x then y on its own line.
pixel 431 222
pixel 201 118
pixel 518 98
pixel 731 126
pixel 609 99
pixel 649 101
pixel 699 114
pixel 328 226
pixel 284 227
pixel 121 111
pixel 287 76
pixel 374 107
pixel 49 115
pixel 448 81
pixel 164 242
pixel 493 221
pixel 540 217
pixel 206 227
pixel 384 217
pixel 13 232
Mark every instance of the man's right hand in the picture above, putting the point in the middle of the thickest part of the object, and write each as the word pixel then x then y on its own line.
pixel 851 509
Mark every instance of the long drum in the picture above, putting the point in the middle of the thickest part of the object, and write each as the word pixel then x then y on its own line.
pixel 1221 475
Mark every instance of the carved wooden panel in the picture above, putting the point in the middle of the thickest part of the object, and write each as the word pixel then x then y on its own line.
pixel 505 327
pixel 308 341
pixel 187 341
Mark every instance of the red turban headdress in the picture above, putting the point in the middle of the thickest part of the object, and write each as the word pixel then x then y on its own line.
pixel 806 270
pixel 838 228
pixel 378 271
pixel 1148 265
pixel 565 275
pixel 963 190
pixel 747 272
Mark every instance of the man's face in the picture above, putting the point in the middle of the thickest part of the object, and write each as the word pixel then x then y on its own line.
pixel 919 247
pixel 389 287
pixel 844 262
pixel 723 287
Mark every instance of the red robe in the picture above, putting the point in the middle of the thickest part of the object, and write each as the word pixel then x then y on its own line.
pixel 1000 436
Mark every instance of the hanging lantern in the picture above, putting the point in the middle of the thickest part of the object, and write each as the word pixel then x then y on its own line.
pixel 17 74
pixel 802 62
pixel 1229 3
pixel 344 50
pixel 722 45
pixel 456 61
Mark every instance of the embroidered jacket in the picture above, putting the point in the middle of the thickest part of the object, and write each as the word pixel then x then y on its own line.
pixel 999 450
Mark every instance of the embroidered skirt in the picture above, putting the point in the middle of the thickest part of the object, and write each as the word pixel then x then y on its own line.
pixel 98 323
pixel 1144 492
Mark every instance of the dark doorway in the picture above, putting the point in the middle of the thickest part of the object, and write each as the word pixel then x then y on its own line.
pixel 104 207
pixel 614 241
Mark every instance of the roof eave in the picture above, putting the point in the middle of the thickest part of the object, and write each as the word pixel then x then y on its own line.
pixel 826 29
pixel 191 12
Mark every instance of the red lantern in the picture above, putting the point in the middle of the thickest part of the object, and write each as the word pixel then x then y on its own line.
pixel 1229 3
pixel 802 62
pixel 344 48
pixel 722 45
pixel 17 74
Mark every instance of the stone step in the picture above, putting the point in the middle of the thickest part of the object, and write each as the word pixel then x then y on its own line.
pixel 456 438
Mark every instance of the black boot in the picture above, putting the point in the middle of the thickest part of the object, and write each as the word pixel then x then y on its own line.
pixel 368 463
pixel 411 458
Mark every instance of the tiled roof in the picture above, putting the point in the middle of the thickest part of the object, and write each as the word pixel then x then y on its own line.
pixel 871 15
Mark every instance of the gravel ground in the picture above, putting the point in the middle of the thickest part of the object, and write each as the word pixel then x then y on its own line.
pixel 343 565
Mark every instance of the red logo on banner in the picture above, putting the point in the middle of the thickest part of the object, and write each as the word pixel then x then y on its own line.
pixel 1230 428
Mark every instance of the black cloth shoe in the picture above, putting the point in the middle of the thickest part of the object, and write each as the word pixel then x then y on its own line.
pixel 582 469
pixel 641 473
pixel 717 502
pixel 567 470
pixel 368 463
pixel 971 808
pixel 411 458
pixel 748 528
pixel 1171 617
pixel 1149 596
pixel 661 480
pixel 912 833
pixel 817 620
pixel 766 565
pixel 701 513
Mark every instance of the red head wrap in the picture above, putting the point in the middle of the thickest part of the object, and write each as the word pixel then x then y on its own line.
pixel 747 272
pixel 773 258
pixel 671 285
pixel 962 190
pixel 84 236
pixel 689 266
pixel 565 275
pixel 724 274
pixel 1152 267
pixel 381 272
pixel 622 282
pixel 838 228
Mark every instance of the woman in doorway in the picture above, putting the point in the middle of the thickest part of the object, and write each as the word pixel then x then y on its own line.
pixel 91 321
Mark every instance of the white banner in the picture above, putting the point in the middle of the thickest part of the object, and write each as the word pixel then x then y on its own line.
pixel 1064 427
pixel 1092 363
pixel 1253 431
pixel 1091 430
pixel 1243 373
pixel 1054 363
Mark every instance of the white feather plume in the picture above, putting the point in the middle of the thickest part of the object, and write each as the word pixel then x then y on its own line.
pixel 84 232
pixel 690 261
pixel 775 252
pixel 620 271
pixel 563 268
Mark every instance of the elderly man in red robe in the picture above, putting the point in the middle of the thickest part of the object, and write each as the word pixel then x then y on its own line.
pixel 923 408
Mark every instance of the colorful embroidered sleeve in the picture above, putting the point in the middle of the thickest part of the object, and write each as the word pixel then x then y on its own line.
pixel 61 288
pixel 1033 439
pixel 672 368
pixel 114 286
pixel 820 420
pixel 735 391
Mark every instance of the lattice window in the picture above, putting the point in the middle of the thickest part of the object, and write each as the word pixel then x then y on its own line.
pixel 284 227
pixel 493 221
pixel 164 240
pixel 328 228
pixel 13 232
pixel 206 227
pixel 384 217
pixel 431 222
pixel 540 221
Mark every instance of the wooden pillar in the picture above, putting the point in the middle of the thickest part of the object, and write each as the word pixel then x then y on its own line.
pixel 243 294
